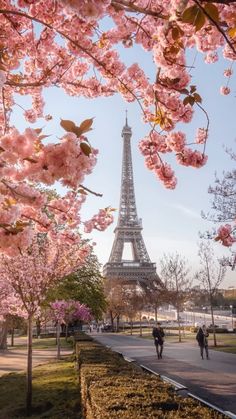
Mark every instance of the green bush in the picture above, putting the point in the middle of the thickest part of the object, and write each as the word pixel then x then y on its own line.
pixel 112 388
pixel 217 330
pixel 81 336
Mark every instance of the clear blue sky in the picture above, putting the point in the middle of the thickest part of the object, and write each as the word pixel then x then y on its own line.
pixel 171 219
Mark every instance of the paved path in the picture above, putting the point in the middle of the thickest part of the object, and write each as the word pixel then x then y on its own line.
pixel 214 380
pixel 14 359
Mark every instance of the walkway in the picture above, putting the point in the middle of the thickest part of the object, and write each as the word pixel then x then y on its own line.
pixel 213 380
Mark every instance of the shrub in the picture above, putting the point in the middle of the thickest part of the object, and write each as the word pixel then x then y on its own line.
pixel 81 336
pixel 113 388
pixel 217 330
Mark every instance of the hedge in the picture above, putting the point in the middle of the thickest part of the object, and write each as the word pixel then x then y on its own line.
pixel 112 388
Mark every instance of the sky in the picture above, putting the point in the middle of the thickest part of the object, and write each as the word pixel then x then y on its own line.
pixel 171 219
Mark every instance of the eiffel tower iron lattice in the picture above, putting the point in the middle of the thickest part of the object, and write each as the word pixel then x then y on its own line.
pixel 128 230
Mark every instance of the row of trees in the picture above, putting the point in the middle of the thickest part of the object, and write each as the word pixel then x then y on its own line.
pixel 48 282
pixel 175 288
pixel 75 46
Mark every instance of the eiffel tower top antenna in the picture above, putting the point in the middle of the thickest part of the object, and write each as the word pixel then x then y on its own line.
pixel 126 117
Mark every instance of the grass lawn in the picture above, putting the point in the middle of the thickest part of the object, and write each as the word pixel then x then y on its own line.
pixel 226 342
pixel 45 343
pixel 56 392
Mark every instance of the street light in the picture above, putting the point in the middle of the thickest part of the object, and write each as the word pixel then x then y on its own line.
pixel 231 307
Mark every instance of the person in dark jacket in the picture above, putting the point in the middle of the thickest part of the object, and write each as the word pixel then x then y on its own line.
pixel 202 335
pixel 158 334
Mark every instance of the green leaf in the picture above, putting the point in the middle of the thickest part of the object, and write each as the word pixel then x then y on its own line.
pixel 85 126
pixel 193 89
pixel 67 125
pixel 30 159
pixel 175 80
pixel 186 100
pixel 184 91
pixel 199 21
pixel 38 130
pixel 189 100
pixel 85 148
pixel 212 11
pixel 175 33
pixel 232 32
pixel 70 126
pixel 194 16
pixel 190 14
pixel 197 98
pixel 174 49
pixel 82 191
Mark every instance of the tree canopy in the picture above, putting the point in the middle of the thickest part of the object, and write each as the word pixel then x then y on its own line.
pixel 84 285
pixel 75 45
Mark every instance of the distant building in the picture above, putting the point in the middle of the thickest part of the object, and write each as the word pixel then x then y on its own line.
pixel 229 293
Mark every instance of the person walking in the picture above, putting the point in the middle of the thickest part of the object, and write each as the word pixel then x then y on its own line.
pixel 158 334
pixel 201 336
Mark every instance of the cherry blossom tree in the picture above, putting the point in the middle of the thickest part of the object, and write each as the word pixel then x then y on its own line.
pixel 67 312
pixel 74 45
pixel 25 208
pixel 10 305
pixel 32 273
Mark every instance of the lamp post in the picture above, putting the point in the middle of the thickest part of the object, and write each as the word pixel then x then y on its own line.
pixel 231 307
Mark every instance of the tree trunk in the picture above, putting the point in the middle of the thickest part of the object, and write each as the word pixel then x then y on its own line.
pixel 29 369
pixel 213 324
pixel 58 340
pixel 3 335
pixel 131 327
pixel 12 336
pixel 155 310
pixel 140 325
pixel 66 332
pixel 112 321
pixel 38 327
pixel 117 323
pixel 178 320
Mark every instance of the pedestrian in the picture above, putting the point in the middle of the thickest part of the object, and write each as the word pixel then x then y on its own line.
pixel 158 334
pixel 201 336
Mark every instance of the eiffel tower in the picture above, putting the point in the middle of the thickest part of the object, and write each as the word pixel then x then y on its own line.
pixel 128 230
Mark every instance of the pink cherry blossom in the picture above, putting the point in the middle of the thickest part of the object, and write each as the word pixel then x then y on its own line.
pixel 69 311
pixel 225 235
pixel 65 44
pixel 201 136
pixel 228 72
pixel 2 78
pixel 192 158
pixel 225 90
pixel 176 141
pixel 100 221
